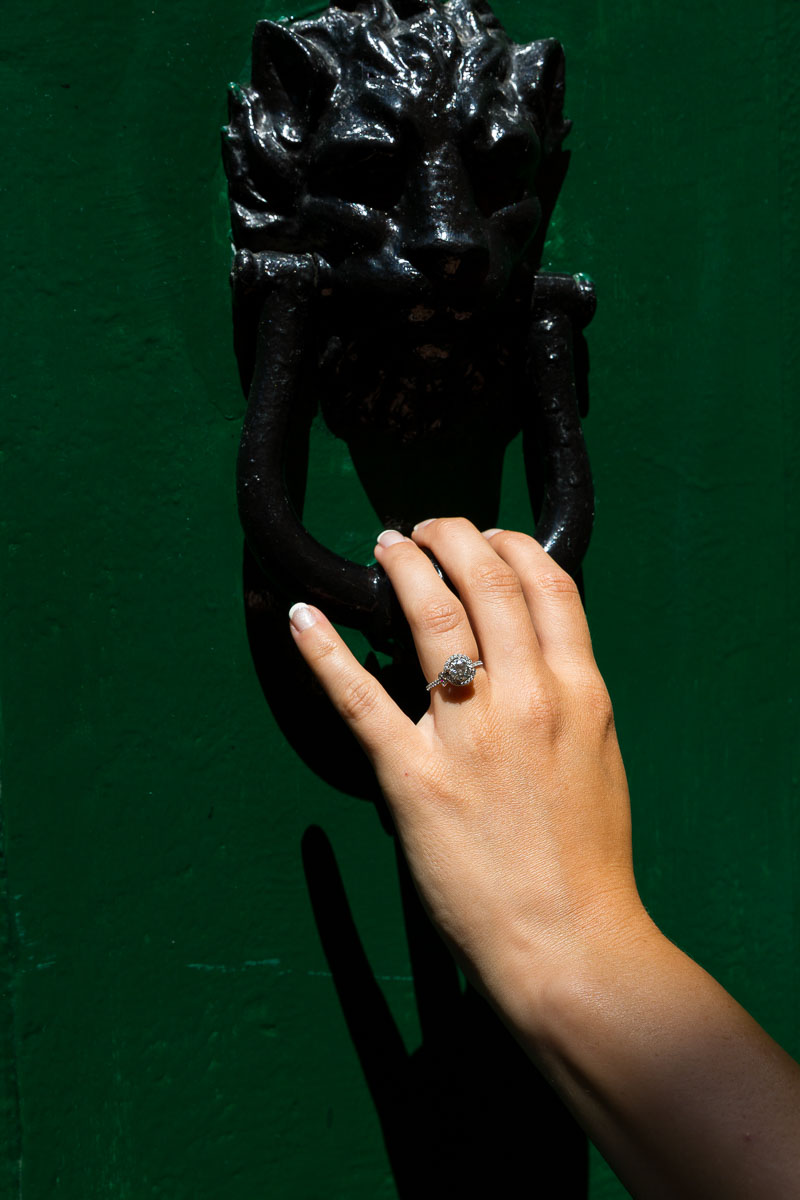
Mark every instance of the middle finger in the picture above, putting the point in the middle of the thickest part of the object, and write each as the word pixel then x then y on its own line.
pixel 489 588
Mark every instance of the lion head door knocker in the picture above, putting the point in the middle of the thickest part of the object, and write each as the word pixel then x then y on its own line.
pixel 392 168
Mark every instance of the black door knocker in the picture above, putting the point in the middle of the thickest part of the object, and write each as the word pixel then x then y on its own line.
pixel 392 170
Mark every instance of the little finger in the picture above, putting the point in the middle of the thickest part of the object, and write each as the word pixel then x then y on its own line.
pixel 552 598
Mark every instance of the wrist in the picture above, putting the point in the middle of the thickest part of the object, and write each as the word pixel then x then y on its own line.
pixel 543 983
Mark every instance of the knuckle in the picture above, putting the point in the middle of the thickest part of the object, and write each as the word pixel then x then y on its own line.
pixel 324 648
pixel 450 525
pixel 598 702
pixel 592 696
pixel 490 735
pixel 513 539
pixel 495 578
pixel 440 617
pixel 433 777
pixel 557 583
pixel 406 548
pixel 359 698
pixel 544 710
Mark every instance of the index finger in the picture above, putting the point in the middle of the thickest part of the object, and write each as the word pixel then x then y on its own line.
pixel 379 725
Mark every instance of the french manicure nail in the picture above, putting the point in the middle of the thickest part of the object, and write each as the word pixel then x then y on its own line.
pixel 390 537
pixel 488 533
pixel 301 616
pixel 422 524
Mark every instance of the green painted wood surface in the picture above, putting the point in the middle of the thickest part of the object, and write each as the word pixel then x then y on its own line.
pixel 168 1026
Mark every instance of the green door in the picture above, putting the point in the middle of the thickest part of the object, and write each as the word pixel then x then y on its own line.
pixel 169 1025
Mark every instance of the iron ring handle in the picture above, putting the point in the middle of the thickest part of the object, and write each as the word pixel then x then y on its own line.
pixel 562 304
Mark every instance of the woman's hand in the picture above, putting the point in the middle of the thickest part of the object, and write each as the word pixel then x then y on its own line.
pixel 509 795
pixel 510 799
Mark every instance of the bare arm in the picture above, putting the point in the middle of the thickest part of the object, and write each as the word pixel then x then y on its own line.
pixel 511 802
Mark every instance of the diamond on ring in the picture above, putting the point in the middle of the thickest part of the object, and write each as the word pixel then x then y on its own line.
pixel 459 670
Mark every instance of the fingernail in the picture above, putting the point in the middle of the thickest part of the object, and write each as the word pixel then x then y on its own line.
pixel 488 533
pixel 301 616
pixel 390 537
pixel 422 524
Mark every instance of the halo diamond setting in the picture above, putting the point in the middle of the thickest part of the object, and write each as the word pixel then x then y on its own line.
pixel 459 670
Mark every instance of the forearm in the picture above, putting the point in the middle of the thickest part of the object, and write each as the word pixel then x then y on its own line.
pixel 684 1094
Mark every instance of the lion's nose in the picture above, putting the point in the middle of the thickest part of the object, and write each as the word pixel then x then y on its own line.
pixel 445 234
pixel 450 260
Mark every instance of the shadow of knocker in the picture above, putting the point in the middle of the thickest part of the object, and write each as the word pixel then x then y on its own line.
pixel 465 1114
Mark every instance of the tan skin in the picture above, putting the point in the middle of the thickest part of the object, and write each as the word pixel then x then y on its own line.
pixel 511 802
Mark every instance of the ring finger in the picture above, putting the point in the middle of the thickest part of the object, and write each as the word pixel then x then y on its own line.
pixel 437 617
